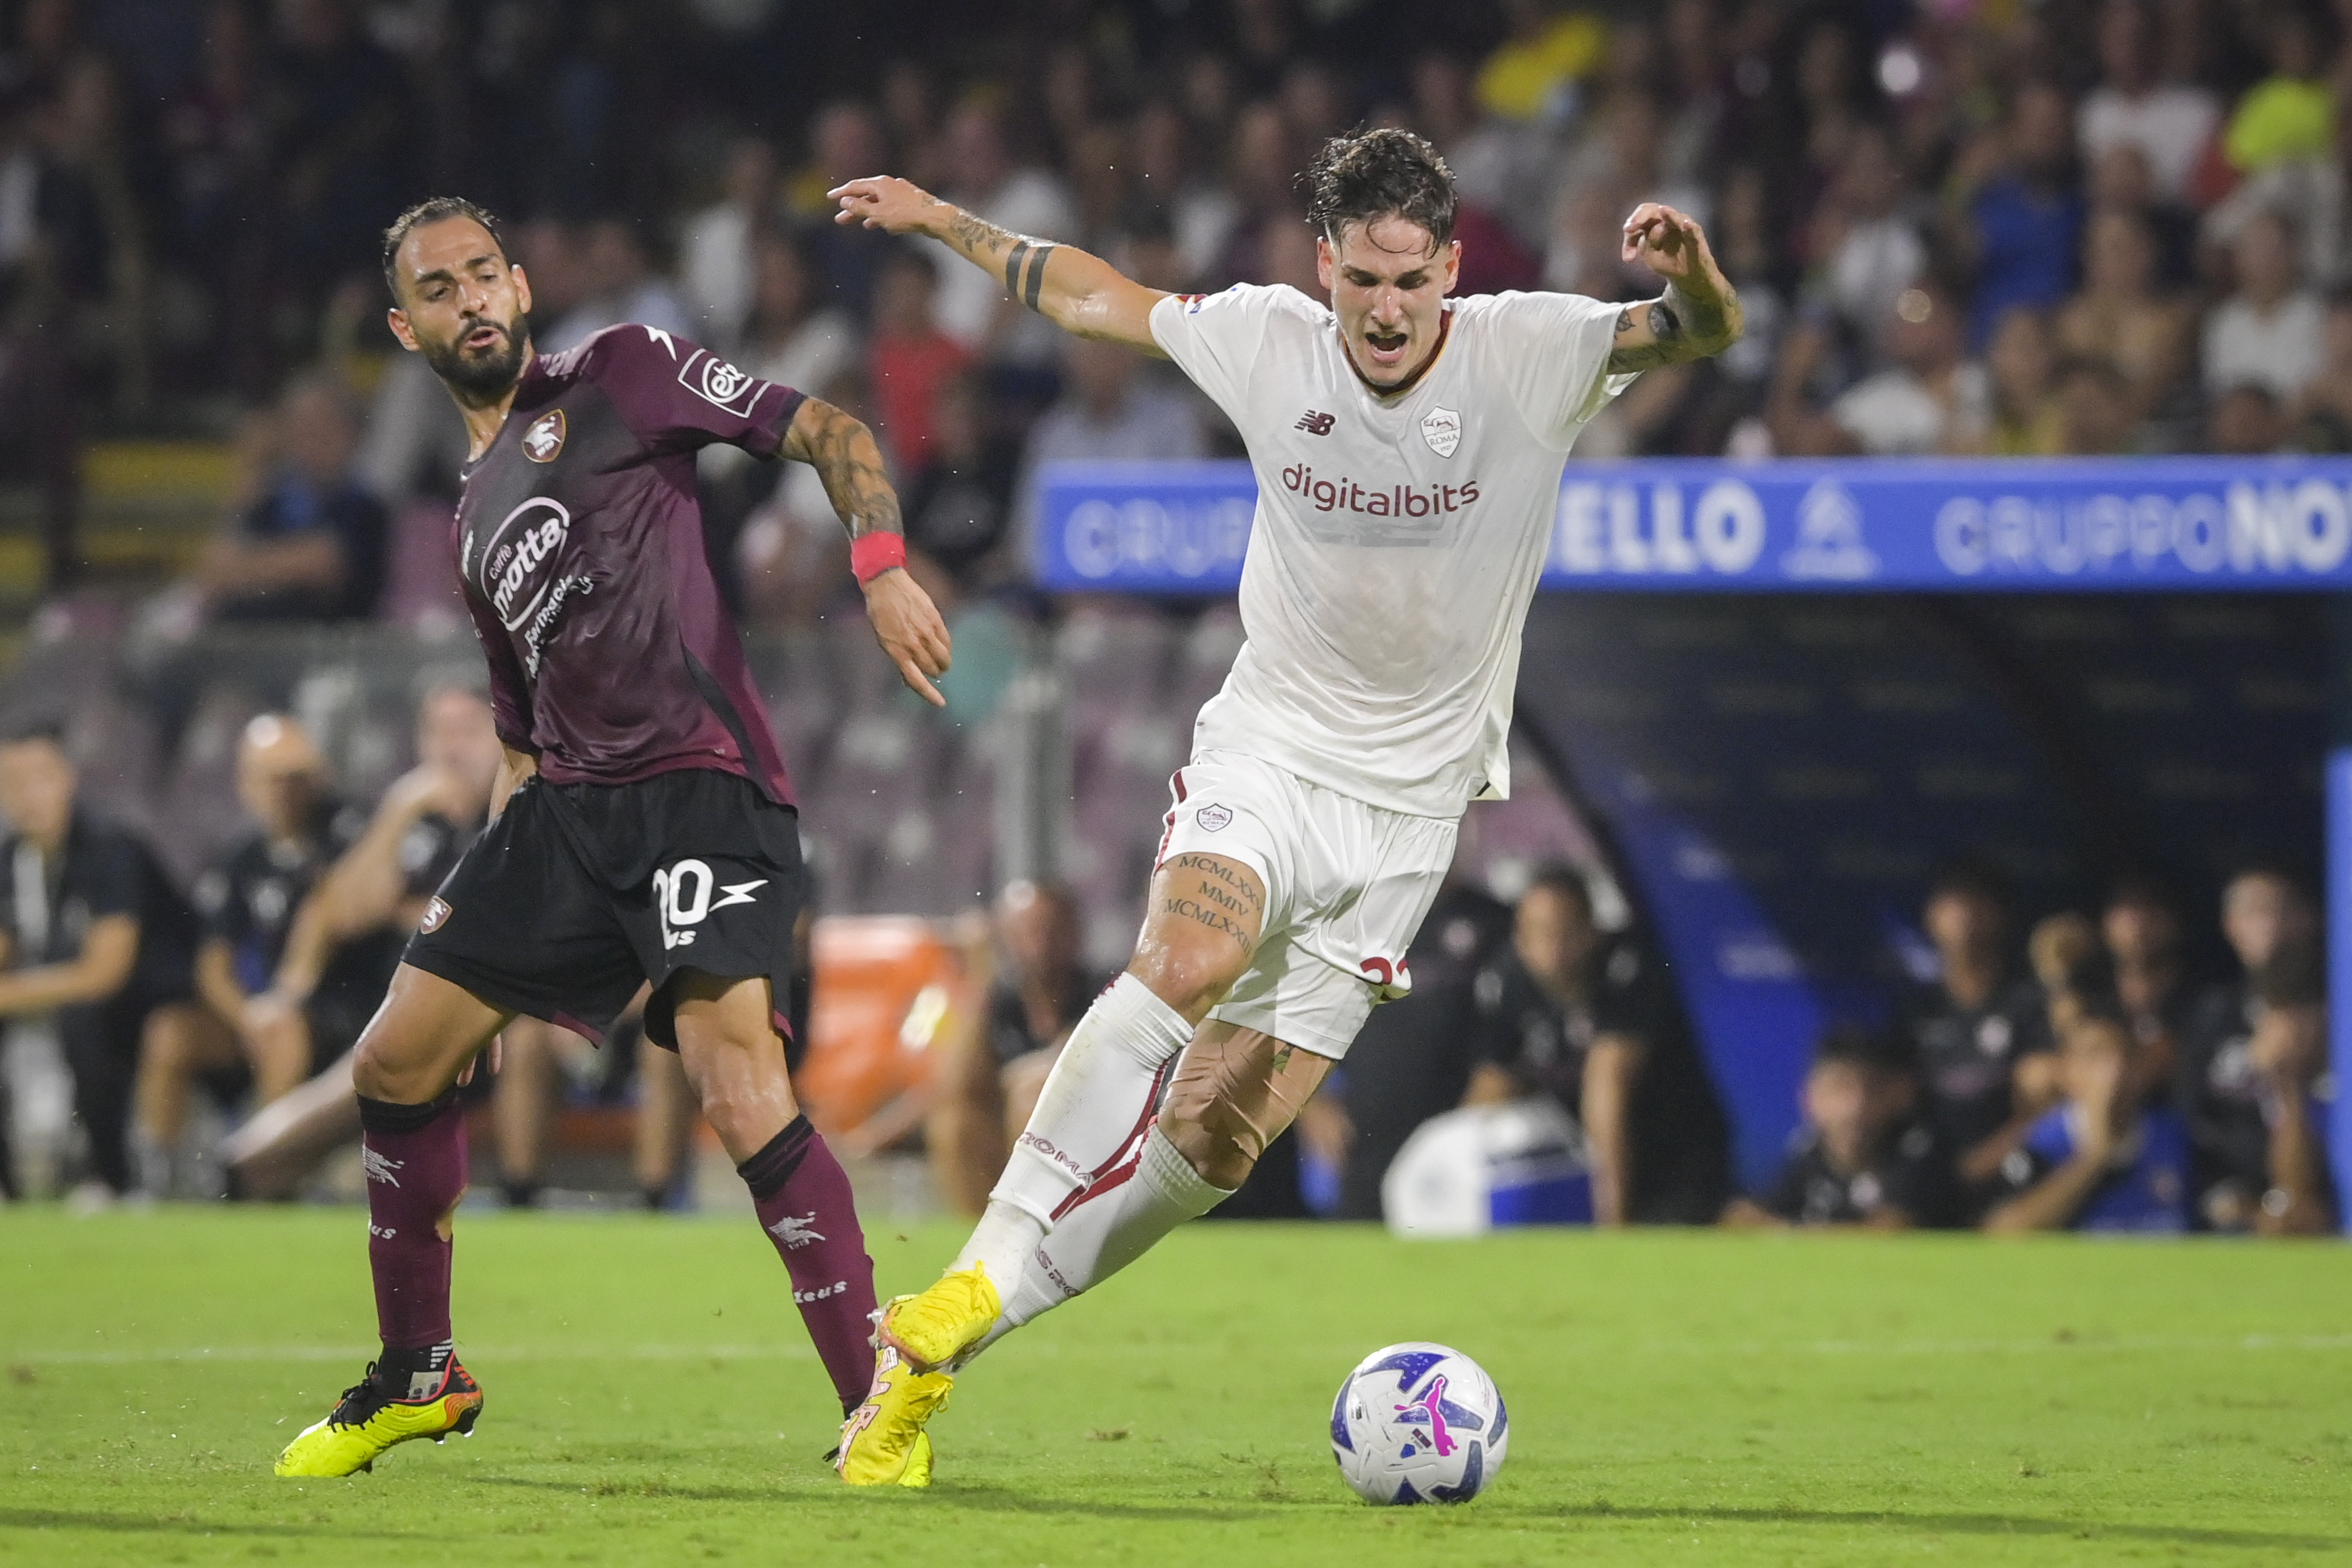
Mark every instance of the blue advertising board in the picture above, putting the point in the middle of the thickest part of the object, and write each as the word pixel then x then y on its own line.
pixel 2163 524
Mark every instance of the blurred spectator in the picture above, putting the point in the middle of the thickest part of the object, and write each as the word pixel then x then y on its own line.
pixel 793 339
pixel 536 1060
pixel 2141 928
pixel 1500 167
pixel 98 937
pixel 2323 415
pixel 2119 182
pixel 1590 1019
pixel 1171 179
pixel 847 142
pixel 360 913
pixel 2121 318
pixel 335 108
pixel 959 508
pixel 1930 398
pixel 1863 1156
pixel 2291 113
pixel 2026 220
pixel 984 177
pixel 1533 74
pixel 2095 416
pixel 989 1076
pixel 1411 1059
pixel 2170 123
pixel 716 259
pixel 1870 251
pixel 1977 1031
pixel 2252 1052
pixel 2245 421
pixel 2027 420
pixel 2270 332
pixel 910 358
pixel 1110 410
pixel 792 335
pixel 309 544
pixel 248 898
pixel 2102 1159
pixel 617 283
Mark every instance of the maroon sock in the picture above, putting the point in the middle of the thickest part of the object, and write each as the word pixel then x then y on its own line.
pixel 804 1202
pixel 415 1157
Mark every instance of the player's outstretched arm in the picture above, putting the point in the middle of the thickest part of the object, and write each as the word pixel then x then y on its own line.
pixel 1697 317
pixel 1078 292
pixel 844 455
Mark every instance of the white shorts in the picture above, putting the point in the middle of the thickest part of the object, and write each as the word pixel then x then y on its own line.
pixel 1347 885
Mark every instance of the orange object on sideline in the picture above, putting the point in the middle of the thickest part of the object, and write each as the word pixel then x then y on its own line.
pixel 886 989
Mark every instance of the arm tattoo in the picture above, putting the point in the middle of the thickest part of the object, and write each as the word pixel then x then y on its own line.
pixel 1033 253
pixel 844 453
pixel 1681 328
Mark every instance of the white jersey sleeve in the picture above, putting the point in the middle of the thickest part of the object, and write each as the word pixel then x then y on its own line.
pixel 1552 350
pixel 1215 339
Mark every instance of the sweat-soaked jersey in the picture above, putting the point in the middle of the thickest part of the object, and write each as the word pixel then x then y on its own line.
pixel 579 544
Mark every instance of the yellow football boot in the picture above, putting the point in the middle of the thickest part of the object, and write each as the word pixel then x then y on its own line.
pixel 366 1421
pixel 934 1328
pixel 883 1442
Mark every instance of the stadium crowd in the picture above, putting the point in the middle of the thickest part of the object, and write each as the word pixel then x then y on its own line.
pixel 2076 227
pixel 2083 226
pixel 2083 1079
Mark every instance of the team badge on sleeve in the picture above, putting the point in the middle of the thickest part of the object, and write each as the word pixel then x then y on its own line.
pixel 1441 428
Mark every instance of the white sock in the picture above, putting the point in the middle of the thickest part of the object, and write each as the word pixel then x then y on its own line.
pixel 1117 1222
pixel 1096 1104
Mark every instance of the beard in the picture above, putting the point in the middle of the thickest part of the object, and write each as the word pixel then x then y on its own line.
pixel 482 375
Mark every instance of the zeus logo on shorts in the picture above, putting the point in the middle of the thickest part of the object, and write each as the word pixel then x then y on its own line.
pixel 682 898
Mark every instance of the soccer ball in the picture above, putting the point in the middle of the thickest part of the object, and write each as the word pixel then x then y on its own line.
pixel 1419 1423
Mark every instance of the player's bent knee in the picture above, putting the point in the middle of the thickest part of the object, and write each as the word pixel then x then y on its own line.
pixel 1190 978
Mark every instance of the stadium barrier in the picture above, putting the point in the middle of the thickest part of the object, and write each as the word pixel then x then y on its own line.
pixel 1681 526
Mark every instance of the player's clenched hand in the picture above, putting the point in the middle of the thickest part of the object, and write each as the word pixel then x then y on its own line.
pixel 1668 243
pixel 911 631
pixel 885 202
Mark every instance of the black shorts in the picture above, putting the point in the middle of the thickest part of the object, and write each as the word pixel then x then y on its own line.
pixel 578 892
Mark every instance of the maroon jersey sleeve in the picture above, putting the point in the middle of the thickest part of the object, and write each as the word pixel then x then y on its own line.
pixel 676 395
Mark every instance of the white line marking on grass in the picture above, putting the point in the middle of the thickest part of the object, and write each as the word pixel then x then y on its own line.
pixel 2073 1343
pixel 486 1355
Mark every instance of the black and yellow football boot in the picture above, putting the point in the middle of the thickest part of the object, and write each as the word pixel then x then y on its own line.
pixel 368 1419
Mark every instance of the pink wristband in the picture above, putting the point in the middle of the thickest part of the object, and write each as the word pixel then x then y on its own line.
pixel 871 555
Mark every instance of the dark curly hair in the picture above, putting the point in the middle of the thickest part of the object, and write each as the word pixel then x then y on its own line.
pixel 1377 174
pixel 431 212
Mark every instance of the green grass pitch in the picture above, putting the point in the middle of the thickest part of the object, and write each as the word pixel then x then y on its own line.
pixel 1674 1398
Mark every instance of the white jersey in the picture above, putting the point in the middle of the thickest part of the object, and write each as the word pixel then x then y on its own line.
pixel 1398 541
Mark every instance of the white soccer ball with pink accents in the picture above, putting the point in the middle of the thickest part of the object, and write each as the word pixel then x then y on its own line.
pixel 1419 1423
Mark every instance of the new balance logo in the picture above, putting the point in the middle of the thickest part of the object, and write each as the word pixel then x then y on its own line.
pixel 379 1168
pixel 1315 423
pixel 796 1232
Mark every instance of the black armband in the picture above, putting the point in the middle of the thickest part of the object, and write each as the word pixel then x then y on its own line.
pixel 1012 267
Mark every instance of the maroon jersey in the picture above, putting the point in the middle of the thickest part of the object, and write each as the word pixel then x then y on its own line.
pixel 579 541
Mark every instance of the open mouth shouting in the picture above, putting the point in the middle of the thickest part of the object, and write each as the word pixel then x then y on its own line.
pixel 1384 347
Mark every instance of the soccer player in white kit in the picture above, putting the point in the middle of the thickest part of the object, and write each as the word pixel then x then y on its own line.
pixel 1408 449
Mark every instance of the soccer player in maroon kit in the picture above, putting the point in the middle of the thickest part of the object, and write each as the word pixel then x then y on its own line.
pixel 643 828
